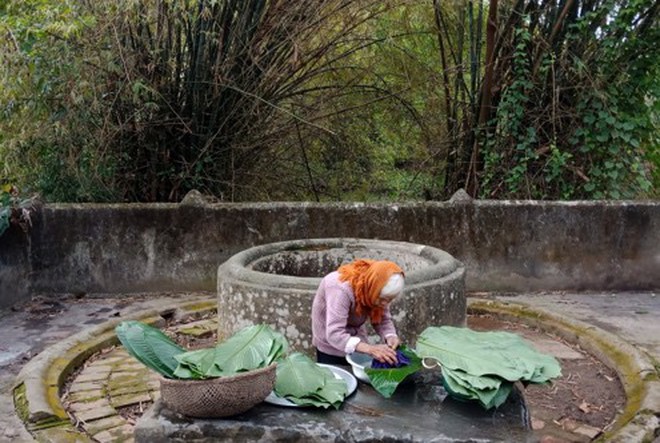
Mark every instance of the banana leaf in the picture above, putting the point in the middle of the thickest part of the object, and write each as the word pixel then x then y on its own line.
pixel 482 366
pixel 150 346
pixel 305 383
pixel 490 391
pixel 385 381
pixel 250 348
pixel 487 353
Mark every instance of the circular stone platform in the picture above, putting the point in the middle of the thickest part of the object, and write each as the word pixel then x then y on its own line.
pixel 37 389
pixel 275 284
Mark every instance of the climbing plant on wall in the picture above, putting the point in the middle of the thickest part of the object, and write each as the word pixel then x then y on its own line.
pixel 566 102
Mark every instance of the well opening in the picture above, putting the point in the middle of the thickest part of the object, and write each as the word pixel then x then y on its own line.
pixel 318 261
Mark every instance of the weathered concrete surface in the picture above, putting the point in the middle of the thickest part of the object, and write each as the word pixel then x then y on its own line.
pixel 276 283
pixel 419 412
pixel 635 317
pixel 505 245
pixel 14 266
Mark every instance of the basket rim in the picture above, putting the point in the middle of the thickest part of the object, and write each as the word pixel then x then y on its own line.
pixel 221 379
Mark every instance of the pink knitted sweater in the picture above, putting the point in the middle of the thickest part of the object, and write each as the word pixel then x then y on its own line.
pixel 334 320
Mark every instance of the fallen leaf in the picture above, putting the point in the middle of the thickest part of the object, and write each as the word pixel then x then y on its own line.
pixel 569 424
pixel 584 407
pixel 537 424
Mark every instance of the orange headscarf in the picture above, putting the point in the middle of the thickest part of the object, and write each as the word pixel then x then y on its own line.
pixel 367 278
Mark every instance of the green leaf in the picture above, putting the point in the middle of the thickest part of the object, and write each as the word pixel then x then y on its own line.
pixel 482 366
pixel 305 383
pixel 385 381
pixel 250 348
pixel 297 376
pixel 490 391
pixel 487 353
pixel 150 346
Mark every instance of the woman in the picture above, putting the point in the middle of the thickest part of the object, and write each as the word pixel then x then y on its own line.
pixel 344 301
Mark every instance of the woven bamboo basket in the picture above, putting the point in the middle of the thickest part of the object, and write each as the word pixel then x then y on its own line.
pixel 218 397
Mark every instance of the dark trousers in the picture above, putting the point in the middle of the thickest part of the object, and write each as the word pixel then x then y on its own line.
pixel 322 357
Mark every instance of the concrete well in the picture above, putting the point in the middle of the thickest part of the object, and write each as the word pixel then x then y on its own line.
pixel 276 283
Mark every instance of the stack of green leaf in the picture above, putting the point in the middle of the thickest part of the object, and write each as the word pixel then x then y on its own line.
pixel 305 383
pixel 250 348
pixel 483 366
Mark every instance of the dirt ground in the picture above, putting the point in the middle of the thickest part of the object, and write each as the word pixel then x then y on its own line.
pixel 588 395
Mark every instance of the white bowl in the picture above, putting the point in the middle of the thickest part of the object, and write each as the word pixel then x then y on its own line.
pixel 358 362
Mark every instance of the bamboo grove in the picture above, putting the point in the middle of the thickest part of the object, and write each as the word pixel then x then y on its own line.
pixel 327 100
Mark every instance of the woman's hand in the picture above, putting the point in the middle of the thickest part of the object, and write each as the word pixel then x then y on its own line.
pixel 382 353
pixel 393 342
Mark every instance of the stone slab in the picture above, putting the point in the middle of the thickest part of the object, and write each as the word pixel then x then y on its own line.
pixel 94 414
pixel 123 434
pixel 557 349
pixel 420 411
pixel 96 426
pixel 86 406
pixel 77 386
pixel 130 399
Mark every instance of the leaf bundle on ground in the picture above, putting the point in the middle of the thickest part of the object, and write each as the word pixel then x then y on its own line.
pixel 483 366
pixel 305 383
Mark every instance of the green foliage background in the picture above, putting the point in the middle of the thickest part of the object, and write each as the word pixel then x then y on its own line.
pixel 332 100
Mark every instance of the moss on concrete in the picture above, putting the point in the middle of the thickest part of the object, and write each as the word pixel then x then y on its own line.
pixel 64 434
pixel 23 411
pixel 20 403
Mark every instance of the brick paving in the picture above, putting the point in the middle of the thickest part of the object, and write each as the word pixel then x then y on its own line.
pixel 115 380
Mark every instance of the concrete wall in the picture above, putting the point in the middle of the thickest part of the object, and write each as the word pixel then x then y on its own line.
pixel 505 245
pixel 14 266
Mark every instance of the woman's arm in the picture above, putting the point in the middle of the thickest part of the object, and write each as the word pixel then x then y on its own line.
pixel 385 328
pixel 338 308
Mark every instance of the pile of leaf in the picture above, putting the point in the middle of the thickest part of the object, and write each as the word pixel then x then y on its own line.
pixel 299 379
pixel 385 380
pixel 250 348
pixel 305 383
pixel 483 366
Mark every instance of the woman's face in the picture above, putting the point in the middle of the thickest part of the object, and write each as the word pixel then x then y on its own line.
pixel 384 301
